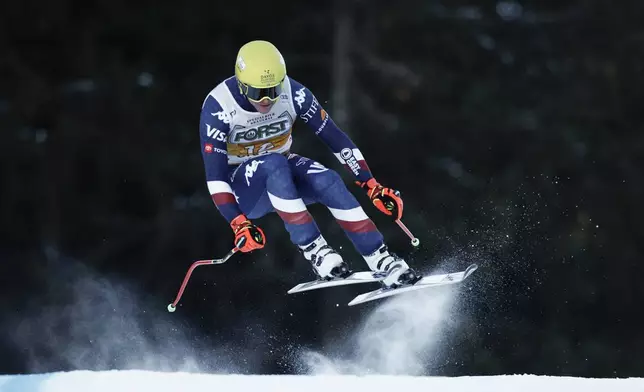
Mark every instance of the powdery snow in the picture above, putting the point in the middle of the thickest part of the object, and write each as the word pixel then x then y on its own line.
pixel 138 381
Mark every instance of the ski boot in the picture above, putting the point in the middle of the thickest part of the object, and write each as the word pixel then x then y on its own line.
pixel 326 262
pixel 397 272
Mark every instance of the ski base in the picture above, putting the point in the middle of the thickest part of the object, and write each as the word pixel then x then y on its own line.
pixel 356 277
pixel 426 282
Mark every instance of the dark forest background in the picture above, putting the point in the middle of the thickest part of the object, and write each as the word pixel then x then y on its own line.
pixel 513 130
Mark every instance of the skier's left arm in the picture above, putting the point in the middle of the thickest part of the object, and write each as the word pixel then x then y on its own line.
pixel 387 200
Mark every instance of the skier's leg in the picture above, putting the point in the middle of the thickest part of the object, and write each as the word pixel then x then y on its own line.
pixel 320 184
pixel 323 185
pixel 265 184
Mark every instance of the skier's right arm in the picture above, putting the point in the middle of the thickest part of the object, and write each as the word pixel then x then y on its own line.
pixel 213 131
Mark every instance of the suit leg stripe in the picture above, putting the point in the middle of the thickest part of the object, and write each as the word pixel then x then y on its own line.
pixel 364 226
pixel 352 215
pixel 286 205
pixel 295 218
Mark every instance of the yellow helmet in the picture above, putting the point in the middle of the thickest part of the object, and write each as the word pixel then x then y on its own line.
pixel 260 70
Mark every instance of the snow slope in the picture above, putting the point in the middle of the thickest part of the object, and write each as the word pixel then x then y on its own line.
pixel 138 381
pixel 394 347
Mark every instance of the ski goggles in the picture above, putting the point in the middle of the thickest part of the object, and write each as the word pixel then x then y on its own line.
pixel 256 94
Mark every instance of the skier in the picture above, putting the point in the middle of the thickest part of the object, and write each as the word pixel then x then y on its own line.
pixel 246 135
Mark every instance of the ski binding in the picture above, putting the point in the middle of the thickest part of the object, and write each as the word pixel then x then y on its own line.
pixel 426 282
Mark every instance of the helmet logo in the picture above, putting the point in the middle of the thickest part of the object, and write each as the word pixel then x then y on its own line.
pixel 240 63
pixel 268 76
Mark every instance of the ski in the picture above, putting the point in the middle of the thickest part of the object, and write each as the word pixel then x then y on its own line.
pixel 356 277
pixel 426 282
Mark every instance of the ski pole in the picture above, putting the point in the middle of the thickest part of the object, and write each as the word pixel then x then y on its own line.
pixel 173 306
pixel 414 240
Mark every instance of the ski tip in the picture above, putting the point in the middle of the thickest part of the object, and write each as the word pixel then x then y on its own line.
pixel 471 268
pixel 294 289
pixel 307 286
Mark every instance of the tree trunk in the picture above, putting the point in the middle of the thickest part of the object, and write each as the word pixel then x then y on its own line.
pixel 341 77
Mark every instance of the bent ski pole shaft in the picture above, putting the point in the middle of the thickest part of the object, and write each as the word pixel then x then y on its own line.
pixel 414 241
pixel 173 306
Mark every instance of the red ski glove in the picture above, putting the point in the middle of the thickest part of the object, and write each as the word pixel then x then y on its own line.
pixel 248 237
pixel 387 200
